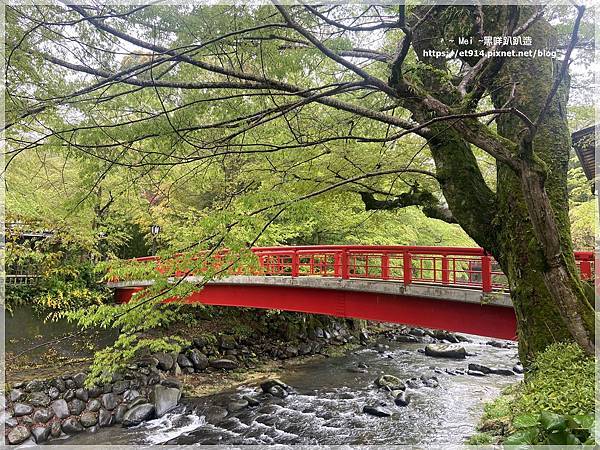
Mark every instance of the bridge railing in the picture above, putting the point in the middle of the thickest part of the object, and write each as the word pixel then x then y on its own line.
pixel 452 266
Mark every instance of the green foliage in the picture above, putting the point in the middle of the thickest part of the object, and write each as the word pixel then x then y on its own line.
pixel 548 428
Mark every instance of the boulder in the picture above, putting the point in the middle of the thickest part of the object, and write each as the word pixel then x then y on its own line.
pixel 475 373
pixel 89 418
pixel 95 391
pixel 71 425
pixel 34 386
pixel 183 361
pixel 390 382
pixel 53 393
pixel 105 418
pixel 69 395
pixel 76 407
pixel 376 410
pixel 517 368
pixel 164 399
pixel 252 402
pixel 455 351
pixel 480 368
pixel 500 371
pixel 43 415
pixel 59 384
pixel 55 430
pixel 165 361
pixel 120 413
pixel 227 342
pixel 22 409
pixel 402 399
pixel 82 394
pixel 137 401
pixel 215 414
pixel 198 359
pixel 79 379
pixel 109 401
pixel 237 405
pixel 120 386
pixel 39 399
pixel 130 395
pixel 16 395
pixel 41 433
pixel 94 405
pixel 172 382
pixel 18 434
pixel 267 385
pixel 225 364
pixel 60 408
pixel 138 414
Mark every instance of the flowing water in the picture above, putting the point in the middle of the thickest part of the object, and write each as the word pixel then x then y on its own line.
pixel 327 406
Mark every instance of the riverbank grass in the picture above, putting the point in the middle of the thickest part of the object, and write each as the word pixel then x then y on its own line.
pixel 559 385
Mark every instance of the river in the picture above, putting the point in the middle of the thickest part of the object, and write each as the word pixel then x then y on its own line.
pixel 327 408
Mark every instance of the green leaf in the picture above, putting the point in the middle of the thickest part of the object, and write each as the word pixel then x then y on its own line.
pixel 551 421
pixel 585 421
pixel 522 437
pixel 562 438
pixel 526 421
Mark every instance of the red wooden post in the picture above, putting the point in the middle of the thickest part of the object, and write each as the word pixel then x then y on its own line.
pixel 486 273
pixel 295 264
pixel 337 264
pixel 585 267
pixel 345 268
pixel 445 271
pixel 407 268
pixel 385 266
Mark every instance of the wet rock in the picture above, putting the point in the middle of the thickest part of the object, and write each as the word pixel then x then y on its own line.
pixel 237 405
pixel 413 383
pixel 406 338
pixel 16 395
pixel 164 399
pixel 183 361
pixel 55 430
pixel 107 388
pixel 94 405
pixel 26 420
pixel 277 391
pixel 76 407
pixel 402 399
pixel 455 351
pixel 500 371
pixel 79 379
pixel 475 373
pixel 59 384
pixel 22 409
pixel 215 414
pixel 225 364
pixel 11 422
pixel 18 435
pixel 390 382
pixel 138 401
pixel 105 418
pixel 93 429
pixel 82 394
pixel 60 408
pixel 39 399
pixel 70 383
pixel 479 368
pixel 130 395
pixel 304 348
pixel 69 395
pixel 41 433
pixel 109 401
pixel 89 418
pixel 120 386
pixel 498 344
pixel 430 381
pixel 517 368
pixel 172 382
pixel 34 386
pixel 252 402
pixel 376 410
pixel 43 415
pixel 227 342
pixel 445 335
pixel 268 384
pixel 165 361
pixel 120 413
pixel 138 414
pixel 53 393
pixel 71 426
pixel 198 360
pixel 95 392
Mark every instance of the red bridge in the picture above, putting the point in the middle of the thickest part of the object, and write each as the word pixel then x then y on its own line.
pixel 456 289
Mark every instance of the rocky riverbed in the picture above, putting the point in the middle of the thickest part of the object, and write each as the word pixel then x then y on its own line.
pixel 404 386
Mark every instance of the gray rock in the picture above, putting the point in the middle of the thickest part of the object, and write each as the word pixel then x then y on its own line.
pixel 71 425
pixel 79 379
pixel 130 395
pixel 16 395
pixel 176 370
pixel 11 422
pixel 480 368
pixel 26 420
pixel 59 384
pixel 225 364
pixel 390 382
pixel 266 386
pixel 517 368
pixel 41 433
pixel 69 395
pixel 215 414
pixel 94 405
pixel 164 399
pixel 183 361
pixel 18 435
pixel 237 405
pixel 34 386
pixel 500 371
pixel 89 418
pixel 165 361
pixel 475 373
pixel 43 415
pixel 138 414
pixel 76 406
pixel 277 391
pixel 82 394
pixel 376 410
pixel 120 386
pixel 172 382
pixel 252 402
pixel 198 359
pixel 445 335
pixel 402 399
pixel 107 388
pixel 39 399
pixel 455 351
pixel 55 430
pixel 95 391
pixel 105 418
pixel 70 383
pixel 22 409
pixel 431 382
pixel 138 401
pixel 53 393
pixel 109 401
pixel 120 413
pixel 227 342
pixel 60 408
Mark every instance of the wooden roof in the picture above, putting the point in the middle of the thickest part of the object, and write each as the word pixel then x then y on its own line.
pixel 584 144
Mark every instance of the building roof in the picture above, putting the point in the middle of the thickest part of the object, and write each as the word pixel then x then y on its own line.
pixel 584 144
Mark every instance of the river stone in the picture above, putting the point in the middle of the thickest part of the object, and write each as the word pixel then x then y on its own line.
pixel 165 361
pixel 237 405
pixel 71 425
pixel 431 382
pixel 76 407
pixel 39 399
pixel 107 388
pixel 137 401
pixel 120 413
pixel 120 386
pixel 376 410
pixel 268 384
pixel 517 368
pixel 60 408
pixel 105 418
pixel 225 364
pixel 95 391
pixel 82 394
pixel 43 415
pixel 172 382
pixel 18 435
pixel 59 384
pixel 390 382
pixel 70 384
pixel 475 373
pixel 455 351
pixel 165 399
pixel 22 409
pixel 198 359
pixel 34 386
pixel 215 414
pixel 500 371
pixel 138 414
pixel 480 368
pixel 11 422
pixel 89 418
pixel 183 361
pixel 16 395
pixel 79 379
pixel 402 399
pixel 69 395
pixel 252 402
pixel 130 395
pixel 53 393
pixel 55 429
pixel 109 401
pixel 94 405
pixel 41 433
pixel 227 342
